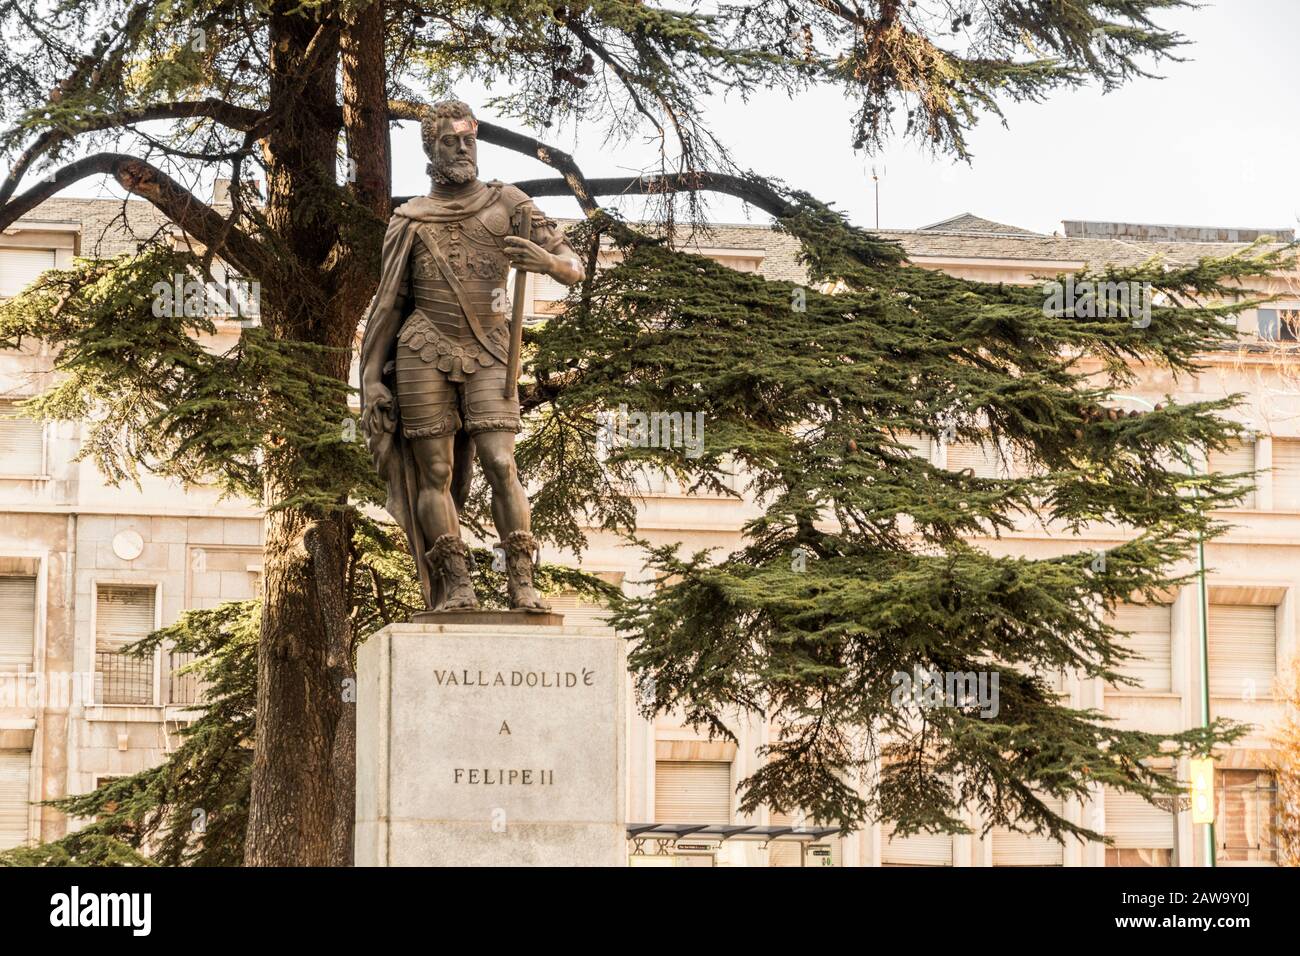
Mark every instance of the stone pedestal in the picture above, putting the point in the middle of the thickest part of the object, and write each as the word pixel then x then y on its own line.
pixel 490 745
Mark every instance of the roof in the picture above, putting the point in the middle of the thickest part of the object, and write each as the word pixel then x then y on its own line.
pixel 965 222
pixel 114 226
pixel 109 227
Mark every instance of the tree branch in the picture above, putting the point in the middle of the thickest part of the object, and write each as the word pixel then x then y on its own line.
pixel 176 202
pixel 752 190
pixel 228 114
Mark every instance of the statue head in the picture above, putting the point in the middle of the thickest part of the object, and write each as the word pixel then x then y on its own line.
pixel 450 135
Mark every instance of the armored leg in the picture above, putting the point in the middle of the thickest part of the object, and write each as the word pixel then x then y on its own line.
pixel 521 557
pixel 449 561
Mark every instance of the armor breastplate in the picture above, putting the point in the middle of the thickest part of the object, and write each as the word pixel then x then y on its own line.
pixel 479 264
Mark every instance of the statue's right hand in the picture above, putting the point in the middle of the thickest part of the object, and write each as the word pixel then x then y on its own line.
pixel 378 415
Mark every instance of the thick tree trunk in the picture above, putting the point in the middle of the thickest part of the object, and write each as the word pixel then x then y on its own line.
pixel 299 695
pixel 303 791
pixel 293 809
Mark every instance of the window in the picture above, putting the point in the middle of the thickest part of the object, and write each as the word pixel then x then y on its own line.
pixel 919 849
pixel 1028 849
pixel 15 797
pixel 1243 649
pixel 577 610
pixel 19 268
pixel 981 459
pixel 1143 833
pixel 1279 324
pixel 922 446
pixel 692 791
pixel 123 615
pixel 649 480
pixel 22 442
pixel 17 624
pixel 1286 474
pixel 548 295
pixel 1237 458
pixel 1245 816
pixel 1149 635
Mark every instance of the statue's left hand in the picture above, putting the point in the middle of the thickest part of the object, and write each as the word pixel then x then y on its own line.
pixel 528 255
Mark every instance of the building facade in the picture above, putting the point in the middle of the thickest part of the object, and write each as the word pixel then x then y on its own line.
pixel 86 567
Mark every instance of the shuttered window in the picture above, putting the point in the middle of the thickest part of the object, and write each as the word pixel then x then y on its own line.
pixel 919 849
pixel 1027 849
pixel 123 615
pixel 548 294
pixel 1286 474
pixel 1237 458
pixel 17 624
pixel 1150 635
pixel 1243 649
pixel 22 442
pixel 19 268
pixel 692 791
pixel 922 445
pixel 981 459
pixel 1135 824
pixel 578 611
pixel 15 796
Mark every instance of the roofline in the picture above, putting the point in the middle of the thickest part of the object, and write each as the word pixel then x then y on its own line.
pixel 1171 225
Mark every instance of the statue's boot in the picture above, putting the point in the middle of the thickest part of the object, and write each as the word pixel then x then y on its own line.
pixel 449 560
pixel 521 557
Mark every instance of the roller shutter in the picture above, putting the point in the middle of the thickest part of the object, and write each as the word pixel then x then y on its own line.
pixel 15 795
pixel 1286 474
pixel 1243 649
pixel 578 612
pixel 1150 635
pixel 981 459
pixel 19 268
pixel 1136 824
pixel 919 849
pixel 692 791
pixel 22 443
pixel 17 624
pixel 1027 849
pixel 1237 458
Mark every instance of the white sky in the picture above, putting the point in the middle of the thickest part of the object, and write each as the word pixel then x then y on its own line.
pixel 1216 142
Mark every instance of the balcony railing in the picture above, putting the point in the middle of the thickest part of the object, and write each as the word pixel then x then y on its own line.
pixel 122 679
pixel 181 688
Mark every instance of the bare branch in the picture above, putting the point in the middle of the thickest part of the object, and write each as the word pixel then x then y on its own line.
pixel 752 190
pixel 228 114
pixel 175 201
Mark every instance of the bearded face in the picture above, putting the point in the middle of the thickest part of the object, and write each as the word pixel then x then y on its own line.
pixel 453 153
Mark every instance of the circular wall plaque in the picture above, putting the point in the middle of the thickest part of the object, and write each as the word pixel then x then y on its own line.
pixel 128 545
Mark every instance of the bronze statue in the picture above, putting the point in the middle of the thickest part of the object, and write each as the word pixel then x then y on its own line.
pixel 440 359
